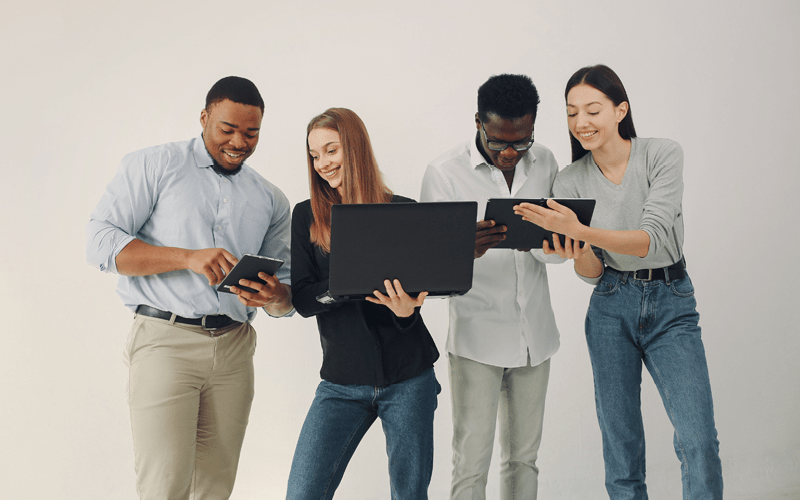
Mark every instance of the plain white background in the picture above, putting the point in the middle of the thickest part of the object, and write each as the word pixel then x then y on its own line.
pixel 84 83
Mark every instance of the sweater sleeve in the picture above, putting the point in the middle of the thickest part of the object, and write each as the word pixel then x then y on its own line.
pixel 663 205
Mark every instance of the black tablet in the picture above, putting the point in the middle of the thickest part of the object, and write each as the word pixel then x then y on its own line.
pixel 248 268
pixel 523 234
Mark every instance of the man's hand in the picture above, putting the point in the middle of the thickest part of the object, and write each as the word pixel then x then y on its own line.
pixel 213 263
pixel 487 235
pixel 401 304
pixel 273 295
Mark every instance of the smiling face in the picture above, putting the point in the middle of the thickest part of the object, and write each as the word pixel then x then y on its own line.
pixel 325 148
pixel 510 131
pixel 230 132
pixel 593 118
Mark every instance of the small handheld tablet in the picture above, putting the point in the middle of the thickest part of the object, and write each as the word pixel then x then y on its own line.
pixel 523 234
pixel 248 268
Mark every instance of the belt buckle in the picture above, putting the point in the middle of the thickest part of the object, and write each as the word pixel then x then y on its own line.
pixel 649 275
pixel 203 324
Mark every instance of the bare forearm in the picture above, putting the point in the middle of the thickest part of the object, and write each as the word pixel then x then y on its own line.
pixel 142 259
pixel 588 265
pixel 635 242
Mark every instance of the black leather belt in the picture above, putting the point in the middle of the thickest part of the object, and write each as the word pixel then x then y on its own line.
pixel 676 271
pixel 209 322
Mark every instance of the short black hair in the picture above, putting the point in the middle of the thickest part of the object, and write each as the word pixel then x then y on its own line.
pixel 236 89
pixel 508 96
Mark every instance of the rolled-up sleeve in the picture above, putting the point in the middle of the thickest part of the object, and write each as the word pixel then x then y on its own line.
pixel 125 206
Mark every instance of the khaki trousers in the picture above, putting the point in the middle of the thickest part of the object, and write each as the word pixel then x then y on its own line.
pixel 190 396
pixel 481 396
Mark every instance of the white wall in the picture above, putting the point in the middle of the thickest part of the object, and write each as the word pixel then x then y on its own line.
pixel 86 82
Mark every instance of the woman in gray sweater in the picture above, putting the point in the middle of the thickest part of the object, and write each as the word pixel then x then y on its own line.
pixel 643 309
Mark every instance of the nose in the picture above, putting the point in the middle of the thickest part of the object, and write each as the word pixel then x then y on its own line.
pixel 238 142
pixel 508 153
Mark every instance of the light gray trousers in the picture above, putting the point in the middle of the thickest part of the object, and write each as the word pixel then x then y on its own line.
pixel 483 395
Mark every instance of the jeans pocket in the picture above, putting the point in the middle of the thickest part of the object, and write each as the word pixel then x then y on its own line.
pixel 609 284
pixel 682 287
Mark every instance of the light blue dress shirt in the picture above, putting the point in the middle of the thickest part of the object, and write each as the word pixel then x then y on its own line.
pixel 170 196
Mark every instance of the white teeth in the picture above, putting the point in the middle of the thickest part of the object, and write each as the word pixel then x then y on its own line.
pixel 233 155
pixel 586 135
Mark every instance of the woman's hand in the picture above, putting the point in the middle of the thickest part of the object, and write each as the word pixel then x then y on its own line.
pixel 557 218
pixel 401 304
pixel 571 250
pixel 585 261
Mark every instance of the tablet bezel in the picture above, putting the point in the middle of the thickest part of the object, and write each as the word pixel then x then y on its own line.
pixel 248 268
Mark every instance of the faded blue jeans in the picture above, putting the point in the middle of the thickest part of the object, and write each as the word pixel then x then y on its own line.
pixel 631 322
pixel 339 417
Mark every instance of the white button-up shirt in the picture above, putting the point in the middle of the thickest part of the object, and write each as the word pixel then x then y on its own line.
pixel 507 313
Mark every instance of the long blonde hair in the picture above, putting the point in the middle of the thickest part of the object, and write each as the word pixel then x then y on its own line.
pixel 362 181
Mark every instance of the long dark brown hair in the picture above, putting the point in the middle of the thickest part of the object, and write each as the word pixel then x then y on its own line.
pixel 606 81
pixel 362 181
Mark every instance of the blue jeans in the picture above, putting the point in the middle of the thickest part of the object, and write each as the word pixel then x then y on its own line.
pixel 339 417
pixel 629 322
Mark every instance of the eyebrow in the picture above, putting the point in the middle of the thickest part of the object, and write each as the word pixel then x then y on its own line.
pixel 236 126
pixel 593 102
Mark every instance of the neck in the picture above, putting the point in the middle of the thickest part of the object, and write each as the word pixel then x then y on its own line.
pixel 613 155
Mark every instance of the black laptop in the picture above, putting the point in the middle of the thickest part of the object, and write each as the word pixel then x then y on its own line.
pixel 427 246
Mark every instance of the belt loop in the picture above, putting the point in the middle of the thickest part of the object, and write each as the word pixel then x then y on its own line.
pixel 666 275
pixel 172 319
pixel 625 276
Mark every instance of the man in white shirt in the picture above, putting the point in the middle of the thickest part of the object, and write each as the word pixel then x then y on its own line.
pixel 502 332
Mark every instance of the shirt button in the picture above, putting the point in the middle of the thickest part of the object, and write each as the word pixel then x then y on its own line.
pixel 225 200
pixel 219 228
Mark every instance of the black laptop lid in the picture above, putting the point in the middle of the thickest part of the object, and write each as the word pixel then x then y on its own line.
pixel 427 246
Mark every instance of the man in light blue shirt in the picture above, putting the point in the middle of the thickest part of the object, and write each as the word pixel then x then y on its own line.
pixel 172 223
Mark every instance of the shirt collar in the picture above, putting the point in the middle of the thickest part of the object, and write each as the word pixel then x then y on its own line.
pixel 201 156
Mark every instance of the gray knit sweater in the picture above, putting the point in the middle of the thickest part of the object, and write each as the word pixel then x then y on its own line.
pixel 649 198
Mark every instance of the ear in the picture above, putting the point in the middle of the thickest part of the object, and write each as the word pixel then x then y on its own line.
pixel 477 121
pixel 203 117
pixel 622 111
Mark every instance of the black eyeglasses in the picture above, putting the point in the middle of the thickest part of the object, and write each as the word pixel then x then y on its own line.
pixel 501 146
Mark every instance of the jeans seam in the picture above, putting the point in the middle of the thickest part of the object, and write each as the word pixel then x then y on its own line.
pixel 339 459
pixel 685 458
